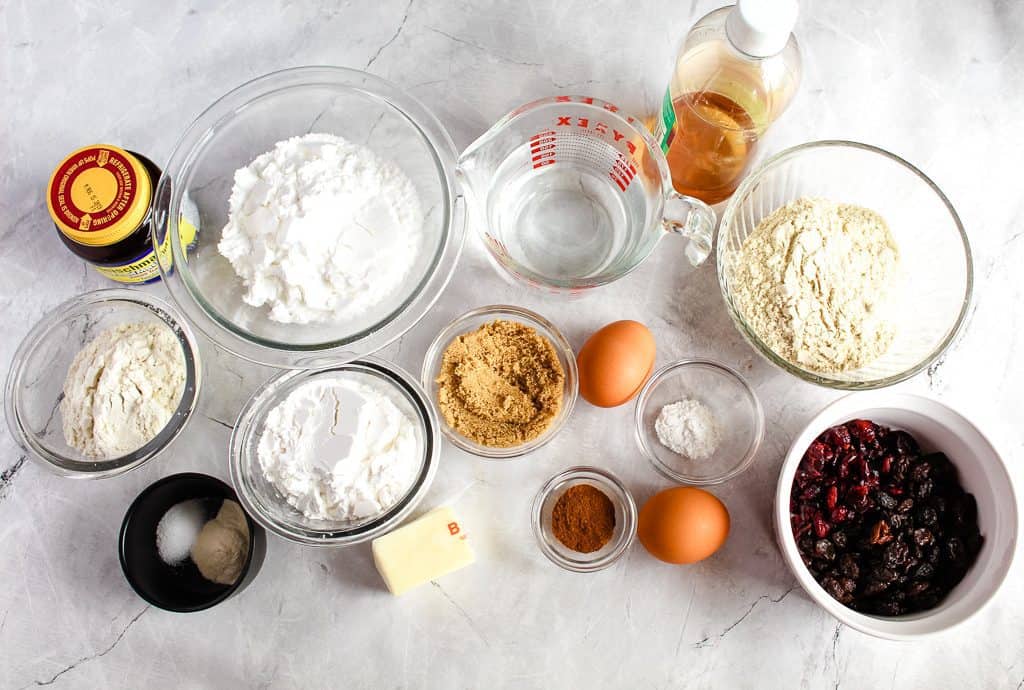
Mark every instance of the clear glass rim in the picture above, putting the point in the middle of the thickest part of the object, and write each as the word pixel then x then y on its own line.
pixel 532 278
pixel 607 480
pixel 267 395
pixel 432 361
pixel 818 378
pixel 170 191
pixel 101 469
pixel 679 477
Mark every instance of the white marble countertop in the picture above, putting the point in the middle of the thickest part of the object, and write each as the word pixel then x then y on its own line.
pixel 940 83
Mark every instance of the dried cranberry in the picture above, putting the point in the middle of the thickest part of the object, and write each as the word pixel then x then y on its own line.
pixel 840 514
pixel 821 528
pixel 862 430
pixel 886 464
pixel 838 437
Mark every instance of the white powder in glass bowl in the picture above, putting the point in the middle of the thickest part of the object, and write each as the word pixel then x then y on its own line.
pixel 688 427
pixel 320 229
pixel 339 450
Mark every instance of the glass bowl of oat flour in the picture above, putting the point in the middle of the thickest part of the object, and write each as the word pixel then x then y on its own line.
pixel 844 265
pixel 86 404
pixel 326 217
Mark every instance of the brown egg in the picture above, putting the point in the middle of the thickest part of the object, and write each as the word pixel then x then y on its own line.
pixel 683 525
pixel 615 362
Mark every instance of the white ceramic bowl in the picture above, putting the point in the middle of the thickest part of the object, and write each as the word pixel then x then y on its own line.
pixel 982 473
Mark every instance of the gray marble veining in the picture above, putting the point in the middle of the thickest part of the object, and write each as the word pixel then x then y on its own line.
pixel 940 83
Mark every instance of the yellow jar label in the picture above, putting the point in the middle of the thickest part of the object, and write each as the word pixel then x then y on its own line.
pixel 145 268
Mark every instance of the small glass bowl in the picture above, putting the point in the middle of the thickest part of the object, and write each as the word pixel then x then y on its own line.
pixel 264 502
pixel 732 402
pixel 625 519
pixel 472 320
pixel 35 383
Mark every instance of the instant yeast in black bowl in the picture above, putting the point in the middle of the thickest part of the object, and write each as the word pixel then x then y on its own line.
pixel 182 587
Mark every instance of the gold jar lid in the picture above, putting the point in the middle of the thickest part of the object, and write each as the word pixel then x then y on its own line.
pixel 99 195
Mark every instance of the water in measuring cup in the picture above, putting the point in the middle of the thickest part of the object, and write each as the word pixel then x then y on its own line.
pixel 566 221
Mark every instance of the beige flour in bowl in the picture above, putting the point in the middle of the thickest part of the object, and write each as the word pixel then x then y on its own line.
pixel 812 282
pixel 122 389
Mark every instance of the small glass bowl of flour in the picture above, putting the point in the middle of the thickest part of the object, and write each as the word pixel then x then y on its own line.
pixel 335 456
pixel 103 383
pixel 698 422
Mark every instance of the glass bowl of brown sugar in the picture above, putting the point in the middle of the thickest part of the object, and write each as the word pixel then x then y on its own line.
pixel 503 380
pixel 584 519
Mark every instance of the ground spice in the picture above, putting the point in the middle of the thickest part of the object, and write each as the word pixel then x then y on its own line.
pixel 500 385
pixel 583 518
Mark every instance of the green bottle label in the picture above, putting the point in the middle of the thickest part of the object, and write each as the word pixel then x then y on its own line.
pixel 668 121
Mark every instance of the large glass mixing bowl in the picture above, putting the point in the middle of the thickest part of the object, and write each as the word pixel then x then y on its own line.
pixel 936 276
pixel 247 122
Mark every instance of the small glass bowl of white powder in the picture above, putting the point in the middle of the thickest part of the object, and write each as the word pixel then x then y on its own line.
pixel 335 456
pixel 131 391
pixel 698 422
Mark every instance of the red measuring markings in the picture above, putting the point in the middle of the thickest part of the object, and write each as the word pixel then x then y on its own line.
pixel 622 172
pixel 542 149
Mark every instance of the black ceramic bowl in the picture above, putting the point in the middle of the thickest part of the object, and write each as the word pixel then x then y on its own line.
pixel 179 587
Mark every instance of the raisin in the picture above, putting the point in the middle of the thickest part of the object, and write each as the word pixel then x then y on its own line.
pixel 917 588
pixel 848 566
pixel 921 471
pixel 923 488
pixel 824 549
pixel 927 516
pixel 886 501
pixel 895 554
pixel 923 536
pixel 925 570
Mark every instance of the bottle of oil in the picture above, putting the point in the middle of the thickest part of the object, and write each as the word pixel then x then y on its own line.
pixel 735 73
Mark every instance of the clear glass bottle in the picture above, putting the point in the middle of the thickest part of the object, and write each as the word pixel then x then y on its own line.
pixel 736 72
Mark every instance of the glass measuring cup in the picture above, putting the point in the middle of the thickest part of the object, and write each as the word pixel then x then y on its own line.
pixel 569 193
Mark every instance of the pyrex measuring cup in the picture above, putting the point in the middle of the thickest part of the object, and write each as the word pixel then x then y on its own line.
pixel 569 193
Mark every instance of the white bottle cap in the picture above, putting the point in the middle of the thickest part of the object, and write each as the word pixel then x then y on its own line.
pixel 761 27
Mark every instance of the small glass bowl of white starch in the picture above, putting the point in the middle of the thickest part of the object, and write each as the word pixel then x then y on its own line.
pixel 698 422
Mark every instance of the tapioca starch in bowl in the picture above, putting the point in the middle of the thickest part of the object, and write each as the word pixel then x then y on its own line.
pixel 321 229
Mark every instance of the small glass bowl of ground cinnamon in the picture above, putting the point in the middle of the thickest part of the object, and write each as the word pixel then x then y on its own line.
pixel 503 380
pixel 584 519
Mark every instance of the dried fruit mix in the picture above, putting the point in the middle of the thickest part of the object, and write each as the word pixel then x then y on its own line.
pixel 884 528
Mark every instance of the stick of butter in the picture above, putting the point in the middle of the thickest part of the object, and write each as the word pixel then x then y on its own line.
pixel 422 550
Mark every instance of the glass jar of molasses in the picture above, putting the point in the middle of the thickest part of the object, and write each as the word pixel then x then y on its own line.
pixel 100 199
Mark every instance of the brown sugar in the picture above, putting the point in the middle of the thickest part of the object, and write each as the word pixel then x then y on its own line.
pixel 500 385
pixel 583 518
